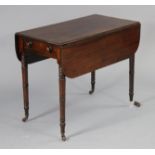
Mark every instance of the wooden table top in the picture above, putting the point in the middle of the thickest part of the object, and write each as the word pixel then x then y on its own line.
pixel 78 29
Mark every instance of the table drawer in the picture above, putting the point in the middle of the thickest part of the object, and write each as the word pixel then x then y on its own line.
pixel 39 47
pixel 35 50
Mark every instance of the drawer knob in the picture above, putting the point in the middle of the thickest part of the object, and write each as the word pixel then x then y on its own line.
pixel 29 44
pixel 49 49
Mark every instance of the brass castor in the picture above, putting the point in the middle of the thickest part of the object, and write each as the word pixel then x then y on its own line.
pixel 91 91
pixel 25 119
pixel 63 138
pixel 26 115
pixel 137 104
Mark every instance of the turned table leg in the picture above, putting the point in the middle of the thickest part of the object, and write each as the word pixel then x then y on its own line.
pixel 131 77
pixel 131 80
pixel 62 86
pixel 25 87
pixel 92 82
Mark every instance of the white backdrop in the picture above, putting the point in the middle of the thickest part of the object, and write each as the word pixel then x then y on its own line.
pixel 103 120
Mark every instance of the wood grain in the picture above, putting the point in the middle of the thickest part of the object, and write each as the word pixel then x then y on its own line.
pixel 87 57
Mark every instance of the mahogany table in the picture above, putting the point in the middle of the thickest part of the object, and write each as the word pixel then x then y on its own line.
pixel 80 46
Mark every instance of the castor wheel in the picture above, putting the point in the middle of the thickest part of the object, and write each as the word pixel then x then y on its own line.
pixel 91 92
pixel 25 119
pixel 137 104
pixel 26 115
pixel 63 138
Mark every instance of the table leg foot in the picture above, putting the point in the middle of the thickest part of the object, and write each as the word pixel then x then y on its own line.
pixel 63 137
pixel 91 91
pixel 25 119
pixel 26 115
pixel 131 97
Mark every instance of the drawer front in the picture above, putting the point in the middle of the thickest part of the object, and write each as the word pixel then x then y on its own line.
pixel 39 48
pixel 35 50
pixel 83 58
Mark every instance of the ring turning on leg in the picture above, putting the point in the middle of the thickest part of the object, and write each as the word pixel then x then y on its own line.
pixel 62 86
pixel 131 77
pixel 25 87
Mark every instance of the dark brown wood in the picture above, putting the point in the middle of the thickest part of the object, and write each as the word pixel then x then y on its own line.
pixel 131 76
pixel 69 32
pixel 92 82
pixel 74 32
pixel 25 87
pixel 62 87
pixel 100 52
pixel 80 46
pixel 35 50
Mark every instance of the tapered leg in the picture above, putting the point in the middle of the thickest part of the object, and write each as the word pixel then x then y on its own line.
pixel 62 86
pixel 92 82
pixel 131 80
pixel 25 87
pixel 131 77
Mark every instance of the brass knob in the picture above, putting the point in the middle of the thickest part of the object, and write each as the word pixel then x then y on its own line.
pixel 29 44
pixel 49 49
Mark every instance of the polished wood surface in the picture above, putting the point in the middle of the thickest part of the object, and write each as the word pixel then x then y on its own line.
pixel 71 33
pixel 131 76
pixel 100 52
pixel 78 29
pixel 24 66
pixel 62 91
pixel 80 46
